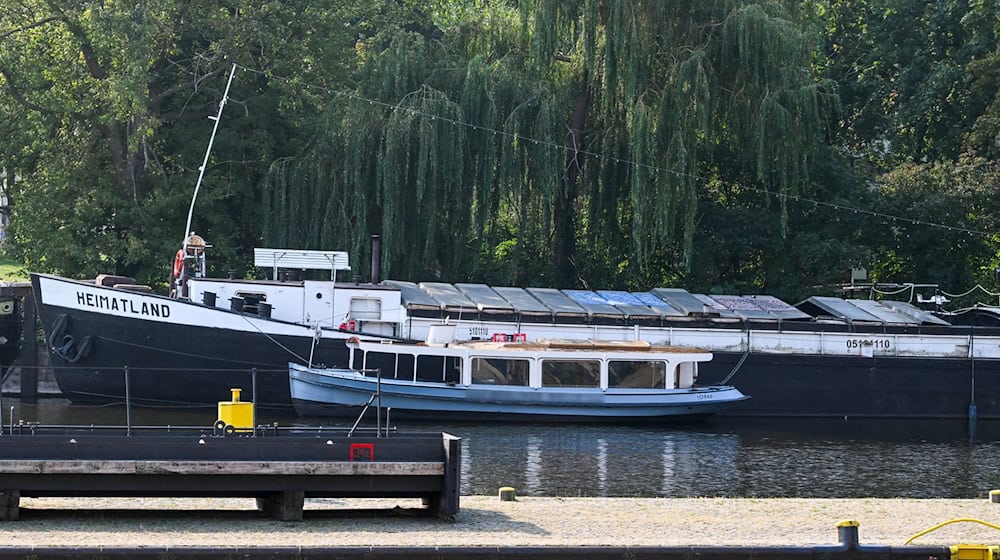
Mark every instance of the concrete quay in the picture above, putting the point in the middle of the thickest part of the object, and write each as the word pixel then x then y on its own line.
pixel 486 521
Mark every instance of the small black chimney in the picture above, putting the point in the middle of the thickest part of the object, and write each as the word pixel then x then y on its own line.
pixel 376 258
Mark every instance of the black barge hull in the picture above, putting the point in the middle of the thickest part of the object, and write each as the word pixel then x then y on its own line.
pixel 183 363
pixel 173 361
pixel 800 385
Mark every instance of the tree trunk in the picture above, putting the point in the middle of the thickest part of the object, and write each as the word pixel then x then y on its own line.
pixel 565 225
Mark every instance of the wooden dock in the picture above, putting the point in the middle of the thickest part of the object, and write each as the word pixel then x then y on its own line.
pixel 280 468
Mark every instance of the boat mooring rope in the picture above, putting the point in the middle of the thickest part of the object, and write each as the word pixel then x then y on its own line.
pixel 743 358
pixel 737 368
pixel 949 522
pixel 276 343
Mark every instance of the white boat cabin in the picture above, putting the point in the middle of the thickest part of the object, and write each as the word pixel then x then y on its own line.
pixel 374 309
pixel 539 364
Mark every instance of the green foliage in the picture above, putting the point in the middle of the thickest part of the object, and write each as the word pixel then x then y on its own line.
pixel 915 77
pixel 12 270
pixel 440 192
pixel 106 113
pixel 963 196
pixel 570 143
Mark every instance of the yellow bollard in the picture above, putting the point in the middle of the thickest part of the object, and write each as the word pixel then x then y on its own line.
pixel 235 413
pixel 507 494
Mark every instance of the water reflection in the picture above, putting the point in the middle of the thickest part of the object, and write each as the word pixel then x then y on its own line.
pixel 720 457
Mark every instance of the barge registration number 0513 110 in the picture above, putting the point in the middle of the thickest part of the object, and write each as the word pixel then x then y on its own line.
pixel 875 343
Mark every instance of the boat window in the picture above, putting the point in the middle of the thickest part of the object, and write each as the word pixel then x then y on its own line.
pixel 439 369
pixel 391 368
pixel 571 373
pixel 404 367
pixel 499 371
pixel 636 374
pixel 366 309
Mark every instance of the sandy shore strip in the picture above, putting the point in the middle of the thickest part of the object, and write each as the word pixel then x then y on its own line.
pixel 487 521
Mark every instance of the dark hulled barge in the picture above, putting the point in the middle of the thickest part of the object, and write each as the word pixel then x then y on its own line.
pixel 825 357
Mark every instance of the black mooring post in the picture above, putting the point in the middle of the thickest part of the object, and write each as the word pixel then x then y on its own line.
pixel 847 534
pixel 253 398
pixel 378 405
pixel 29 353
pixel 128 405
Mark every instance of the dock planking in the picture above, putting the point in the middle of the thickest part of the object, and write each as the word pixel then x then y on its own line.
pixel 280 468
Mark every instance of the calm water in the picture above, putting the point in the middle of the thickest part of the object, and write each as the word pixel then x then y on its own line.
pixel 718 457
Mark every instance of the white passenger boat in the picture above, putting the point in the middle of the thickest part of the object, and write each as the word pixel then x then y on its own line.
pixel 578 380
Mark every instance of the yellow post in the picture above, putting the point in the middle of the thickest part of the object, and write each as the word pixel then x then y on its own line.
pixel 237 414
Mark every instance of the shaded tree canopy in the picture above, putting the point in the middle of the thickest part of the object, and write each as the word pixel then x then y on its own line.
pixel 720 145
pixel 536 126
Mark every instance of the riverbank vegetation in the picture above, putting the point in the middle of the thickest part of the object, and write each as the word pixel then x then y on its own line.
pixel 722 146
pixel 12 270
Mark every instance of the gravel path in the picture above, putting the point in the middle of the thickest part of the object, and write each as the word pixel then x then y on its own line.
pixel 486 521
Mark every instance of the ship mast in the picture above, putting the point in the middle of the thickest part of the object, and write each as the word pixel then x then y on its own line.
pixel 208 152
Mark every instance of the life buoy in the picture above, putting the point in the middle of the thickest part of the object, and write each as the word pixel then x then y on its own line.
pixel 178 263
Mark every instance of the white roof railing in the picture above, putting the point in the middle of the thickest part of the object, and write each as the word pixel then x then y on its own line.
pixel 301 260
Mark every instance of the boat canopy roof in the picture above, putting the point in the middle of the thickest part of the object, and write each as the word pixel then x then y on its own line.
pixel 652 307
pixel 441 299
pixel 882 312
pixel 557 301
pixel 593 303
pixel 634 306
pixel 976 316
pixel 910 310
pixel 874 311
pixel 485 297
pixel 412 296
pixel 837 308
pixel 450 297
pixel 776 307
pixel 299 259
pixel 684 301
pixel 542 347
pixel 522 301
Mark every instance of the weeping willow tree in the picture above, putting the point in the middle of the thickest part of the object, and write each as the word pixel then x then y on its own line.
pixel 515 133
pixel 685 94
pixel 450 154
pixel 388 159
